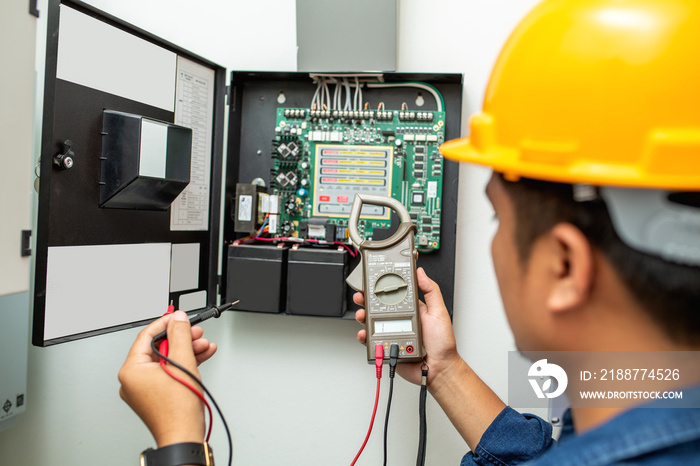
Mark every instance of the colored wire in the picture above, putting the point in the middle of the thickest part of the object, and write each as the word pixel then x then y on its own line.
pixel 371 424
pixel 267 217
pixel 378 361
pixel 304 240
pixel 439 101
pixel 250 238
pixel 199 382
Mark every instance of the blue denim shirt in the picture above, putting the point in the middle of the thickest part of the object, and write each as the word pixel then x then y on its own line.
pixel 649 436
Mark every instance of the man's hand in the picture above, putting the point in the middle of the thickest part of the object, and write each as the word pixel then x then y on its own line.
pixel 438 337
pixel 170 410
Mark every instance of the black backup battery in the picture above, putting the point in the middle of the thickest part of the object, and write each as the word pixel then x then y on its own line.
pixel 255 276
pixel 316 282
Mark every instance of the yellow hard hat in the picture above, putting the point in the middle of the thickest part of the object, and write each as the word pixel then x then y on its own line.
pixel 597 92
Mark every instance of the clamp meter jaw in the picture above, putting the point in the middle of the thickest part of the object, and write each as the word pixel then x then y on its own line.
pixel 387 276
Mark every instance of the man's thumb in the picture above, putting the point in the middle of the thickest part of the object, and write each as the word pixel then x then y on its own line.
pixel 180 341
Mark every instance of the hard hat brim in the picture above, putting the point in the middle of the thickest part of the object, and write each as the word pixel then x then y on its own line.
pixel 514 164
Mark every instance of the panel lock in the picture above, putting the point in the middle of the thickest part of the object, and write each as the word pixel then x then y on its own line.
pixel 65 160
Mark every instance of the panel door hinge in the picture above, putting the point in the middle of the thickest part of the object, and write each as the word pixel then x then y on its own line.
pixel 26 244
pixel 32 8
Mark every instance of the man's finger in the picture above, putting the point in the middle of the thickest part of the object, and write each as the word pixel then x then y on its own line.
pixel 200 345
pixel 359 298
pixel 431 291
pixel 203 356
pixel 360 316
pixel 197 332
pixel 362 336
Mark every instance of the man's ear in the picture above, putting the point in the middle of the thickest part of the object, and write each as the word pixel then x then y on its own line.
pixel 572 266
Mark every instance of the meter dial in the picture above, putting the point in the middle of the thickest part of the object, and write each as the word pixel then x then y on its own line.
pixel 391 289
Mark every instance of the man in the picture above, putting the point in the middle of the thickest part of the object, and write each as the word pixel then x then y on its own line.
pixel 591 123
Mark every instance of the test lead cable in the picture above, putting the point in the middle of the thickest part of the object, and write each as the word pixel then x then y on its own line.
pixel 378 361
pixel 422 436
pixel 393 359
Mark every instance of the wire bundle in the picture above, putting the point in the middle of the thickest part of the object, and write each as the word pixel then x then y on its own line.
pixel 393 360
pixel 345 82
pixel 264 229
pixel 321 99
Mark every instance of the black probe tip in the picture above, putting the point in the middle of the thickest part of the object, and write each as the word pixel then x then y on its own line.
pixel 227 306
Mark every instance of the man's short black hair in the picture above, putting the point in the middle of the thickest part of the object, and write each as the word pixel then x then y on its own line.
pixel 667 291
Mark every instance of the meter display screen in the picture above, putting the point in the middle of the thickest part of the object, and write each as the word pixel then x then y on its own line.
pixel 393 326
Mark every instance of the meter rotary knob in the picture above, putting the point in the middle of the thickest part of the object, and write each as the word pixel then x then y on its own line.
pixel 391 288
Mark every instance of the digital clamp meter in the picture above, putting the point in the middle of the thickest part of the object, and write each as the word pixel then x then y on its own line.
pixel 386 275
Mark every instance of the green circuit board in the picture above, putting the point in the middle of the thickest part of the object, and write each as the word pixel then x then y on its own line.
pixel 322 158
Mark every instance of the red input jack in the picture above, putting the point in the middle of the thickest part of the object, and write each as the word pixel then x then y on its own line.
pixel 410 349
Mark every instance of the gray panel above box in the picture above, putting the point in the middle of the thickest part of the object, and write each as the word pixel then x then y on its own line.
pixel 343 36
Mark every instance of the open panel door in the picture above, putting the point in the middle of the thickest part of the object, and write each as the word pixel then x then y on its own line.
pixel 118 105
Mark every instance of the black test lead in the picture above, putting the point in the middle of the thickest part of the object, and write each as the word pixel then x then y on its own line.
pixel 423 434
pixel 393 359
pixel 214 311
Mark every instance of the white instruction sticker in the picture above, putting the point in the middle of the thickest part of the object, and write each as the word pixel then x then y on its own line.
pixel 245 208
pixel 194 108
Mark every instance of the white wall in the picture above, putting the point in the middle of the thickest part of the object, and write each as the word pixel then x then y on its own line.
pixel 295 390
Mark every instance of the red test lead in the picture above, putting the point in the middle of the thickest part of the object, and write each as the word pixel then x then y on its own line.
pixel 378 360
pixel 164 344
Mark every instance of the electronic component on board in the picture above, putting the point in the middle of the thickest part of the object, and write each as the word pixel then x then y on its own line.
pixel 321 158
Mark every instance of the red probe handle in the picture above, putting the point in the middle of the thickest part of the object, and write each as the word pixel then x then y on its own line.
pixel 163 348
pixel 379 359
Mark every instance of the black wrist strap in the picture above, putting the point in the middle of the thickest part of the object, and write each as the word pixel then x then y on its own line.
pixel 179 454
